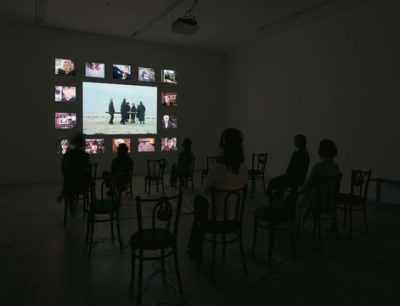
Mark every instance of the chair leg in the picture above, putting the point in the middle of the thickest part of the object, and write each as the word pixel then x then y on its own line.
pixel 253 187
pixel 364 210
pixel 214 254
pixel 345 215
pixel 242 251
pixel 119 231
pixel 163 265
pixel 223 248
pixel 271 242
pixel 163 187
pixel 145 186
pixel 254 235
pixel 133 266
pixel 140 283
pixel 91 234
pixel 350 220
pixel 263 179
pixel 178 274
pixel 87 230
pixel 112 227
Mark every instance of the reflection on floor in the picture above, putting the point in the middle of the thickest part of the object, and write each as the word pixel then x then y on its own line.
pixel 44 263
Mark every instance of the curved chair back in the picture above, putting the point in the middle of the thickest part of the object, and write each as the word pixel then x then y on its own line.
pixel 228 205
pixel 360 183
pixel 156 168
pixel 259 162
pixel 159 213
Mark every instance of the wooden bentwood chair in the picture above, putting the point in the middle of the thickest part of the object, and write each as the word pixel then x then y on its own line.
pixel 158 234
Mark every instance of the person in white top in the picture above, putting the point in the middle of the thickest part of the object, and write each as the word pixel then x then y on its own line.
pixel 229 173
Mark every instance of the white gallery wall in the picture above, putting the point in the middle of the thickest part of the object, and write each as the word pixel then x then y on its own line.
pixel 27 126
pixel 335 76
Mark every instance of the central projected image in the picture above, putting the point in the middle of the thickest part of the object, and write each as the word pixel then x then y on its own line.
pixel 119 109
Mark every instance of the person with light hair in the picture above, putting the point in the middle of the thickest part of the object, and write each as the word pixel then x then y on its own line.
pixel 68 68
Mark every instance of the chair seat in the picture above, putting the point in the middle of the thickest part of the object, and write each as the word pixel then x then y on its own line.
pixel 104 207
pixel 152 178
pixel 269 214
pixel 255 172
pixel 220 227
pixel 152 239
pixel 348 198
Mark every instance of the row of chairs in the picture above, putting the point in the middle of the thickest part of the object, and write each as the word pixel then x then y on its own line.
pixel 159 232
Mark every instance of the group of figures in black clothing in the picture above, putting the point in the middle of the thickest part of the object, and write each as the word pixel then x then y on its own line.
pixel 127 111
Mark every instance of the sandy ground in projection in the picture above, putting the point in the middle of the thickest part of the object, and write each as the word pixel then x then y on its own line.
pixel 98 124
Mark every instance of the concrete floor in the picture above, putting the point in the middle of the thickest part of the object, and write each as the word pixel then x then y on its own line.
pixel 44 263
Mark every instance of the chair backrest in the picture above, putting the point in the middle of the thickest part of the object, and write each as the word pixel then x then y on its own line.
pixel 360 182
pixel 228 205
pixel 156 167
pixel 114 197
pixel 210 161
pixel 159 213
pixel 326 190
pixel 259 162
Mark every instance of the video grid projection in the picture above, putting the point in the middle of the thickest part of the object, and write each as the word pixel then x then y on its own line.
pixel 113 103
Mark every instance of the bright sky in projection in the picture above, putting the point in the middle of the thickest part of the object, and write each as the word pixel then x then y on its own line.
pixel 96 97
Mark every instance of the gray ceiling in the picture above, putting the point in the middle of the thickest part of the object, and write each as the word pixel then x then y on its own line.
pixel 224 23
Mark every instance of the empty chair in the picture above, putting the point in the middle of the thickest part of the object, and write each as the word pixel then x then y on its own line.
pixel 104 209
pixel 257 171
pixel 224 225
pixel 210 161
pixel 356 200
pixel 158 224
pixel 155 174
pixel 279 215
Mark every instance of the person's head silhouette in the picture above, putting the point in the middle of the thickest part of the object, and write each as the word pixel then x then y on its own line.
pixel 300 141
pixel 327 149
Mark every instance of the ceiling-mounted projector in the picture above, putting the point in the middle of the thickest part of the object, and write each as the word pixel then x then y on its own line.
pixel 185 25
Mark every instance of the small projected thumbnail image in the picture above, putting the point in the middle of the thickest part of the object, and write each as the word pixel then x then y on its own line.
pixel 168 144
pixel 64 67
pixel 168 98
pixel 117 141
pixel 121 72
pixel 62 146
pixel 94 70
pixel 94 146
pixel 65 94
pixel 168 76
pixel 146 144
pixel 65 120
pixel 146 74
pixel 169 122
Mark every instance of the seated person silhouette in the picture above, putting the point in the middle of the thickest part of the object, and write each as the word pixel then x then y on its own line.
pixel 121 166
pixel 75 170
pixel 326 167
pixel 296 171
pixel 228 173
pixel 182 169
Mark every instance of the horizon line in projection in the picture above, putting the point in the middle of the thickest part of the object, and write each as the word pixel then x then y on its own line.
pixel 96 100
